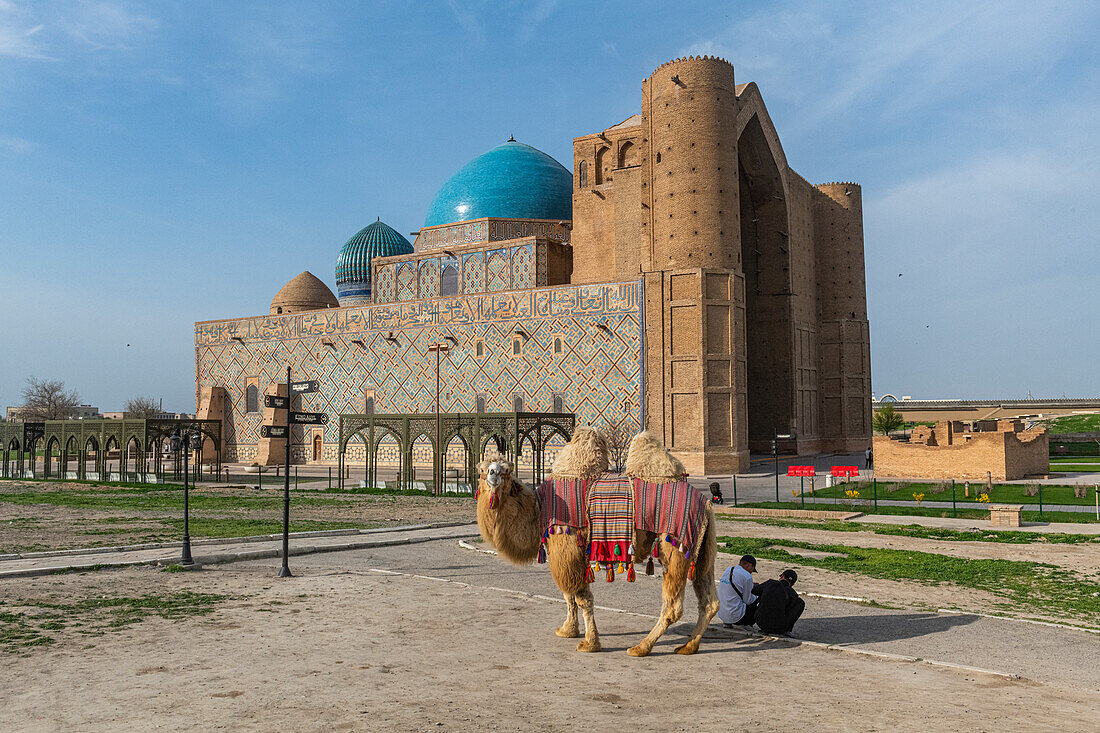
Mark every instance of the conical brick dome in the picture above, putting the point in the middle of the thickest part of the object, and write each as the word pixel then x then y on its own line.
pixel 304 293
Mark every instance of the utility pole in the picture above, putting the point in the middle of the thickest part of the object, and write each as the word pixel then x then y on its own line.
pixel 437 467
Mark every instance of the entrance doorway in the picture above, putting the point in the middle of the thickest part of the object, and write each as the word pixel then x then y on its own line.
pixel 317 447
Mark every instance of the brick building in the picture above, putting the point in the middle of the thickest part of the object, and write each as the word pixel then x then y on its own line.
pixel 681 276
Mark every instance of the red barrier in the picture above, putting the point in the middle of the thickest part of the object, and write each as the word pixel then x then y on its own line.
pixel 803 471
pixel 842 471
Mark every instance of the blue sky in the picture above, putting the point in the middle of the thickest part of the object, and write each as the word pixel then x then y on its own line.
pixel 162 163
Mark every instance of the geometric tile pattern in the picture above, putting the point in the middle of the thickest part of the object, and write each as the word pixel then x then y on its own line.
pixel 385 283
pixel 406 281
pixel 523 267
pixel 497 270
pixel 598 371
pixel 429 278
pixel 473 273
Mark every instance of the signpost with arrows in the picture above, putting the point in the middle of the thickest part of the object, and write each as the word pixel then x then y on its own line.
pixel 279 402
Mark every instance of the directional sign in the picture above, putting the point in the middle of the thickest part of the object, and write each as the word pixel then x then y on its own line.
pixel 276 401
pixel 273 431
pixel 307 387
pixel 309 418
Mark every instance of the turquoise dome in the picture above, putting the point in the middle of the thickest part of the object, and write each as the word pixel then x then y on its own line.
pixel 353 262
pixel 511 181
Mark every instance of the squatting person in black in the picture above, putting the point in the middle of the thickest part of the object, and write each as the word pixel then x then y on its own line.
pixel 778 606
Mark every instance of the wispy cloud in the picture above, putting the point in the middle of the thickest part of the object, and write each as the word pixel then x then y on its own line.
pixel 17 145
pixel 536 14
pixel 19 35
pixel 108 26
pixel 467 19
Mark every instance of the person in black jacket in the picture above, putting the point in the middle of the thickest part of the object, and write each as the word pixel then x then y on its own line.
pixel 778 606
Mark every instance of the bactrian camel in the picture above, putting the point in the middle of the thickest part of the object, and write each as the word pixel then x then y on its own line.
pixel 508 515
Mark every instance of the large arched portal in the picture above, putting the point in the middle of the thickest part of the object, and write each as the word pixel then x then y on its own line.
pixel 765 260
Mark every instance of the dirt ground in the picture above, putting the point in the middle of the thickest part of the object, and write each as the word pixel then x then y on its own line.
pixel 357 650
pixel 31 527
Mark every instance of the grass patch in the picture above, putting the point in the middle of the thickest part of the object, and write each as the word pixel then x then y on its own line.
pixel 915 511
pixel 1036 586
pixel 1073 424
pixel 927 533
pixel 233 527
pixel 28 625
pixel 1075 467
pixel 934 491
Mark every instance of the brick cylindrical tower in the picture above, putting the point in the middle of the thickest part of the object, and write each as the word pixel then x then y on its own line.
pixel 690 172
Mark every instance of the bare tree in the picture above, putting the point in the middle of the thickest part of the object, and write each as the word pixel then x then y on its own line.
pixel 617 433
pixel 47 399
pixel 142 407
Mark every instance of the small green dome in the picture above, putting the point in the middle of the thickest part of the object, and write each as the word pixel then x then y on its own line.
pixel 353 263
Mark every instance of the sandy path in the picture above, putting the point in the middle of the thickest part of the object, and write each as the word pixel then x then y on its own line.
pixel 360 651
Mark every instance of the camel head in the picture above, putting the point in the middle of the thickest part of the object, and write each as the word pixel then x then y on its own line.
pixel 648 459
pixel 585 456
pixel 507 511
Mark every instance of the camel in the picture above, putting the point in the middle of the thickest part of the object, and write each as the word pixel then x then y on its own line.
pixel 508 515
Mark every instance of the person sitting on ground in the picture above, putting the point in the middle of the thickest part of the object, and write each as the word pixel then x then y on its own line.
pixel 716 493
pixel 737 603
pixel 778 606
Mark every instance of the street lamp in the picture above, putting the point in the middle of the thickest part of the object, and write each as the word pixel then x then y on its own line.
pixel 437 468
pixel 187 440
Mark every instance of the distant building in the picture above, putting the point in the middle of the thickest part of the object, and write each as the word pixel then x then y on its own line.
pixel 83 412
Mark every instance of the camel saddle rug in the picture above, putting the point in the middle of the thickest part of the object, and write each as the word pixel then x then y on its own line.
pixel 673 508
pixel 613 506
pixel 611 519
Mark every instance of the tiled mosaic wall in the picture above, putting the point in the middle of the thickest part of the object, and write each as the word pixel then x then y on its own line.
pixel 582 342
pixel 489 270
pixel 482 230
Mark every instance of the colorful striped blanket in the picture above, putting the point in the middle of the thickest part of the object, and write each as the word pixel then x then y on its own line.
pixel 613 506
pixel 611 519
pixel 675 509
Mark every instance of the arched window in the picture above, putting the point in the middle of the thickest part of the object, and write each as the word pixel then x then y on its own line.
pixel 450 277
pixel 603 165
pixel 557 344
pixel 658 157
pixel 583 174
pixel 368 408
pixel 479 348
pixel 481 403
pixel 517 349
pixel 252 398
pixel 627 155
pixel 559 403
pixel 517 403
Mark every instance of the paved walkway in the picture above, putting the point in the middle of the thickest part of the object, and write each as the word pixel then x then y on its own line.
pixel 982 524
pixel 228 550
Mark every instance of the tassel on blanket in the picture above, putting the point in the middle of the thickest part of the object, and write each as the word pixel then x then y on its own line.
pixel 610 573
pixel 691 572
pixel 589 575
pixel 493 500
pixel 542 554
pixel 630 573
pixel 649 567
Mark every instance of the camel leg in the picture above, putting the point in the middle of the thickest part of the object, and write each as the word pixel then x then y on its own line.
pixel 569 630
pixel 705 589
pixel 591 641
pixel 672 599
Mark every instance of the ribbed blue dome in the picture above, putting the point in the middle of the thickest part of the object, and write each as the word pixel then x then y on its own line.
pixel 353 262
pixel 512 181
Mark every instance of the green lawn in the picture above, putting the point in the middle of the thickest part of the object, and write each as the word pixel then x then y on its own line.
pixel 1001 493
pixel 1073 424
pixel 922 532
pixel 965 511
pixel 1036 586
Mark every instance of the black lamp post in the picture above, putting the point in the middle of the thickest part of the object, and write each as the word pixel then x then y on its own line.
pixel 187 441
